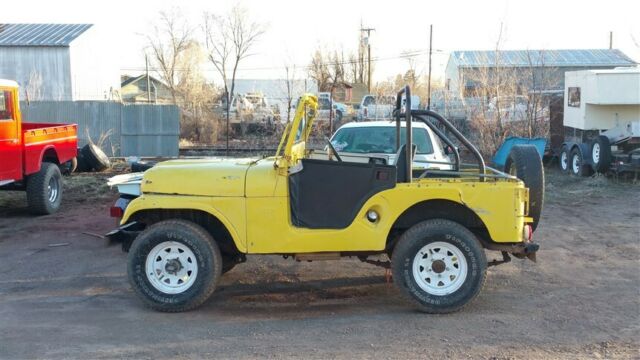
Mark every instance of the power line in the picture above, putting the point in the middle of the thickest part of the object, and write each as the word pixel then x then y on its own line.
pixel 406 55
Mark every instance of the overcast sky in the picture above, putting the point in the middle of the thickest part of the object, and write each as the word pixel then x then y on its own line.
pixel 295 29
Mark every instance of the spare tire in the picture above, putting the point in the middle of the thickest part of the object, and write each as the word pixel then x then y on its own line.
pixel 601 154
pixel 83 166
pixel 525 163
pixel 95 157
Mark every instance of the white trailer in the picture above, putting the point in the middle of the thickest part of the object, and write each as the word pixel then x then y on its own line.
pixel 601 121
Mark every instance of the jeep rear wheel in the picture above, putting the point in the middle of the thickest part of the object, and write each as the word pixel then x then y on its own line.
pixel 174 265
pixel 439 265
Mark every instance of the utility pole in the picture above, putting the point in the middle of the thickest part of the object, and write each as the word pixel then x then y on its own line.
pixel 146 61
pixel 368 30
pixel 429 79
pixel 610 39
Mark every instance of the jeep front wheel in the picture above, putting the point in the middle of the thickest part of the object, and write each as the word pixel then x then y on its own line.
pixel 439 265
pixel 174 265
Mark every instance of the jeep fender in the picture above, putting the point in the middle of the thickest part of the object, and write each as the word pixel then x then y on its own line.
pixel 234 206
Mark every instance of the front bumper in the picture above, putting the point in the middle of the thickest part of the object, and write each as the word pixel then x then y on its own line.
pixel 125 234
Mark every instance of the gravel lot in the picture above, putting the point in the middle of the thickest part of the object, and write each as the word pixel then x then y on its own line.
pixel 64 294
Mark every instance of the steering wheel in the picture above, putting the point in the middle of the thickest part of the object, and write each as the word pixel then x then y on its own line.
pixel 333 150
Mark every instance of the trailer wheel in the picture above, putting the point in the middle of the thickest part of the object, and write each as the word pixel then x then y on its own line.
pixel 576 163
pixel 95 157
pixel 44 190
pixel 439 265
pixel 524 162
pixel 601 154
pixel 565 155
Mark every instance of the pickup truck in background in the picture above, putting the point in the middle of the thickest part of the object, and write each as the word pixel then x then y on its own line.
pixel 31 154
pixel 374 107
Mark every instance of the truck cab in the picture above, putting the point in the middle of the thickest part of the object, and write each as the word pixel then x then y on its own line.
pixel 31 153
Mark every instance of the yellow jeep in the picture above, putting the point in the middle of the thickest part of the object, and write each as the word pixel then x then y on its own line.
pixel 186 222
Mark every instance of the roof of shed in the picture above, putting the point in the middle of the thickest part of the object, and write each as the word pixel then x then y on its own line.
pixel 40 34
pixel 551 58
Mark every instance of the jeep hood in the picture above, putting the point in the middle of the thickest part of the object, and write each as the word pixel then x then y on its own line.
pixel 199 177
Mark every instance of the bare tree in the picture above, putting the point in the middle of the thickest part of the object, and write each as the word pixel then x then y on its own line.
pixel 171 38
pixel 290 78
pixel 229 40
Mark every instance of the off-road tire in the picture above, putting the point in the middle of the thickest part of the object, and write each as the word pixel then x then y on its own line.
pixel 208 258
pixel 602 163
pixel 525 163
pixel 565 167
pixel 38 192
pixel 439 230
pixel 582 169
pixel 95 157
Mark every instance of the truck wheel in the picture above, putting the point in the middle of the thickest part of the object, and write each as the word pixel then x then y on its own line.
pixel 95 157
pixel 565 156
pixel 44 190
pixel 576 163
pixel 439 265
pixel 174 266
pixel 524 162
pixel 601 154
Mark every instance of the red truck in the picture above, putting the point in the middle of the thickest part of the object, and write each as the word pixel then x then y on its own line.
pixel 31 154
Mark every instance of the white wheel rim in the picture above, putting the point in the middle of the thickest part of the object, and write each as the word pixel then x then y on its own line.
pixel 440 268
pixel 171 267
pixel 52 189
pixel 563 160
pixel 595 153
pixel 575 164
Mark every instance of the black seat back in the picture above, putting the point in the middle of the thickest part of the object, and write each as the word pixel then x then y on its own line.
pixel 401 162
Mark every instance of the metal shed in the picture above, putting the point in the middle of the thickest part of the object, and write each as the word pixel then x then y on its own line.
pixel 56 62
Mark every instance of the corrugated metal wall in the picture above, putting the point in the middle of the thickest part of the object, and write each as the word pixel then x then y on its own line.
pixel 131 130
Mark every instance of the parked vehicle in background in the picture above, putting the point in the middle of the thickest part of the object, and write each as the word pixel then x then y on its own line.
pixel 31 154
pixel 374 107
pixel 239 111
pixel 260 111
pixel 325 102
pixel 360 141
pixel 511 108
pixel 601 121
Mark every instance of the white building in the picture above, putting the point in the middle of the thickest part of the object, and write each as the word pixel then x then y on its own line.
pixel 59 61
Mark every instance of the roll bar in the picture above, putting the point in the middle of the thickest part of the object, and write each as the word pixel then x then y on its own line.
pixel 423 116
pixel 409 159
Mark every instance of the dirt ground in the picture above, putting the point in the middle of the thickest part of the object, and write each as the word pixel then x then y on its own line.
pixel 64 294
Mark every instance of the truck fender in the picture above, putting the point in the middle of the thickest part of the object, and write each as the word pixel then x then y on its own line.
pixel 33 162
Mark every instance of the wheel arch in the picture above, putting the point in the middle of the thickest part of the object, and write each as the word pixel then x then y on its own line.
pixel 49 154
pixel 438 209
pixel 211 223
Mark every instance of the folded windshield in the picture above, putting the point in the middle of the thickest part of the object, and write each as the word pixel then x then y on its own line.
pixel 378 139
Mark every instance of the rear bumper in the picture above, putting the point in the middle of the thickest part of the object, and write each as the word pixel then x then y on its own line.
pixel 521 250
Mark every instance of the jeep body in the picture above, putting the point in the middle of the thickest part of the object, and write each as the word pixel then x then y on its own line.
pixel 296 204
